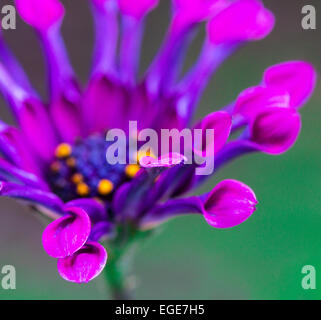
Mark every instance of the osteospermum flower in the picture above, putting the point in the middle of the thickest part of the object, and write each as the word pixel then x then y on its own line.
pixel 55 159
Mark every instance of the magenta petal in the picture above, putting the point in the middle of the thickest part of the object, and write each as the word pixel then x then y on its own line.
pixel 85 264
pixel 296 77
pixel 255 99
pixel 138 8
pixel 247 20
pixel 36 126
pixel 67 117
pixel 33 195
pixel 40 14
pixel 67 234
pixel 229 204
pixel 148 162
pixel 275 130
pixel 95 209
pixel 189 12
pixel 167 161
pixel 104 104
pixel 9 172
pixel 221 123
pixel 14 148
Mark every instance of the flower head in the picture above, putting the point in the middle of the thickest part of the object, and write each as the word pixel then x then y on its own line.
pixel 55 158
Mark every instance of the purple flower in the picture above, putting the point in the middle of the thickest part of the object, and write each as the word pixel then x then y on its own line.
pixel 54 159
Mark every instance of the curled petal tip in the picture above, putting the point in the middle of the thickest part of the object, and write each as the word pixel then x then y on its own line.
pixel 255 99
pixel 84 265
pixel 190 12
pixel 138 8
pixel 275 130
pixel 168 160
pixel 221 123
pixel 67 234
pixel 148 162
pixel 247 20
pixel 40 14
pixel 296 77
pixel 229 204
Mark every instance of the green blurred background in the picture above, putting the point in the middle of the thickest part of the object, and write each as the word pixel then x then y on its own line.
pixel 187 259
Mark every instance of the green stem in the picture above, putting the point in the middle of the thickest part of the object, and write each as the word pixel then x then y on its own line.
pixel 117 280
pixel 120 252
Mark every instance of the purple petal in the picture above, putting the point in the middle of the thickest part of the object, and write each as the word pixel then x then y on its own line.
pixel 255 99
pixel 138 8
pixel 132 197
pixel 130 48
pixel 29 113
pixel 169 160
pixel 9 60
pixel 60 72
pixel 296 77
pixel 221 123
pixel 40 14
pixel 172 183
pixel 189 12
pixel 95 209
pixel 36 126
pixel 104 103
pixel 9 172
pixel 13 147
pixel 102 229
pixel 229 204
pixel 105 16
pixel 32 195
pixel 170 209
pixel 101 3
pixel 247 20
pixel 67 234
pixel 275 130
pixel 67 117
pixel 121 197
pixel 85 264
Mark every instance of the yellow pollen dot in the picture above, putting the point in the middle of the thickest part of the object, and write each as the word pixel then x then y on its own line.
pixel 105 187
pixel 77 178
pixel 55 166
pixel 83 189
pixel 144 153
pixel 71 162
pixel 63 150
pixel 131 170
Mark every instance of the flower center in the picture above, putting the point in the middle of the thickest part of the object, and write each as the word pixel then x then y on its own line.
pixel 81 170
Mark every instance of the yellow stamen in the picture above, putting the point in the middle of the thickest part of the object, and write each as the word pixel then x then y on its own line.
pixel 105 187
pixel 77 178
pixel 83 189
pixel 131 170
pixel 71 162
pixel 144 153
pixel 63 150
